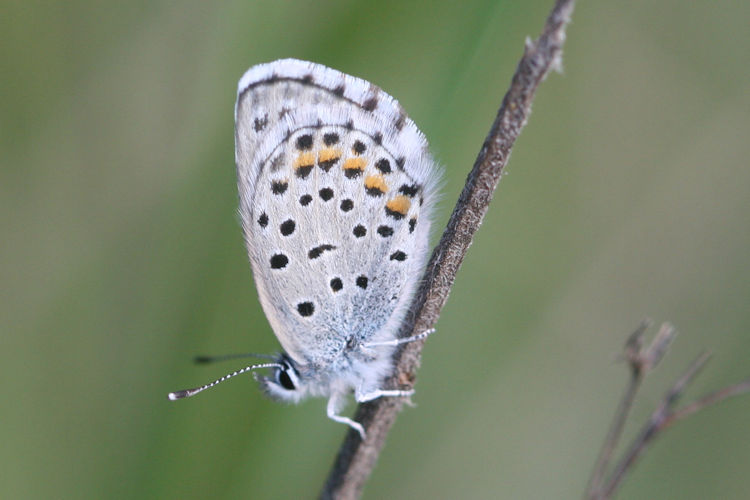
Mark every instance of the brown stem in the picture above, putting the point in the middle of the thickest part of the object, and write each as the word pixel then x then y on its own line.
pixel 613 436
pixel 642 360
pixel 655 424
pixel 357 458
pixel 708 400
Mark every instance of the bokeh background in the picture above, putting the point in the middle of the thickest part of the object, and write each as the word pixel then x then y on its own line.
pixel 121 257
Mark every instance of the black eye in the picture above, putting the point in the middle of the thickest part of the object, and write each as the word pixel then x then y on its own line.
pixel 285 380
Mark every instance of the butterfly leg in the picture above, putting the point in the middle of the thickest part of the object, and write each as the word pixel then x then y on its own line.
pixel 332 411
pixel 404 340
pixel 363 397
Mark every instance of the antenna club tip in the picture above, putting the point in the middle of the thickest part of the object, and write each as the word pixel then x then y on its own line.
pixel 174 396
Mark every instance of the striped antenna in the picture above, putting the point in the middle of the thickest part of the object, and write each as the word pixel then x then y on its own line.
pixel 173 396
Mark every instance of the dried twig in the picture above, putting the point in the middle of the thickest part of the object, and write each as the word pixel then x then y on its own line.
pixel 708 400
pixel 357 458
pixel 641 362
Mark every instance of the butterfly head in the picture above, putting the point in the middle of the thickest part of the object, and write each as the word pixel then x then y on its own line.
pixel 284 383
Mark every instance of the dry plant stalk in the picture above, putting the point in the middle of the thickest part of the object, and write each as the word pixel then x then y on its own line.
pixel 643 360
pixel 357 458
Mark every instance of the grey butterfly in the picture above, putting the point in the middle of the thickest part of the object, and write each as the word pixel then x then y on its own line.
pixel 336 188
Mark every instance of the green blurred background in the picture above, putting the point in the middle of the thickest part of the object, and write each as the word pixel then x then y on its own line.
pixel 628 195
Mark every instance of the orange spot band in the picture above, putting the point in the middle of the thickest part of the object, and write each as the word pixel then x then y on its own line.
pixel 376 182
pixel 399 204
pixel 328 154
pixel 356 163
pixel 304 160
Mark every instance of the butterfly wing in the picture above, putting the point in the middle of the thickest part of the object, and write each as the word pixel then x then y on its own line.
pixel 336 187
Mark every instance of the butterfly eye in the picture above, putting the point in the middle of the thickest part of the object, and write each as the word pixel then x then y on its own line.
pixel 285 380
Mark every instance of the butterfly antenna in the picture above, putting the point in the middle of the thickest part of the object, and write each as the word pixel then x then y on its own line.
pixel 226 357
pixel 173 396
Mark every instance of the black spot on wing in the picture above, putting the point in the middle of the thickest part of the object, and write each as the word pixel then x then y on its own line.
pixel 305 308
pixel 352 172
pixel 316 252
pixel 263 220
pixel 370 104
pixel 330 139
pixel 325 194
pixel 409 189
pixel 304 142
pixel 398 255
pixel 383 165
pixel 347 205
pixel 400 121
pixel 260 123
pixel 385 231
pixel 287 227
pixel 393 213
pixel 279 261
pixel 374 191
pixel 278 187
pixel 303 171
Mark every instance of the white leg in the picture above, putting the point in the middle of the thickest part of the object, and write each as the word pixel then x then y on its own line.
pixel 332 411
pixel 404 340
pixel 363 397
